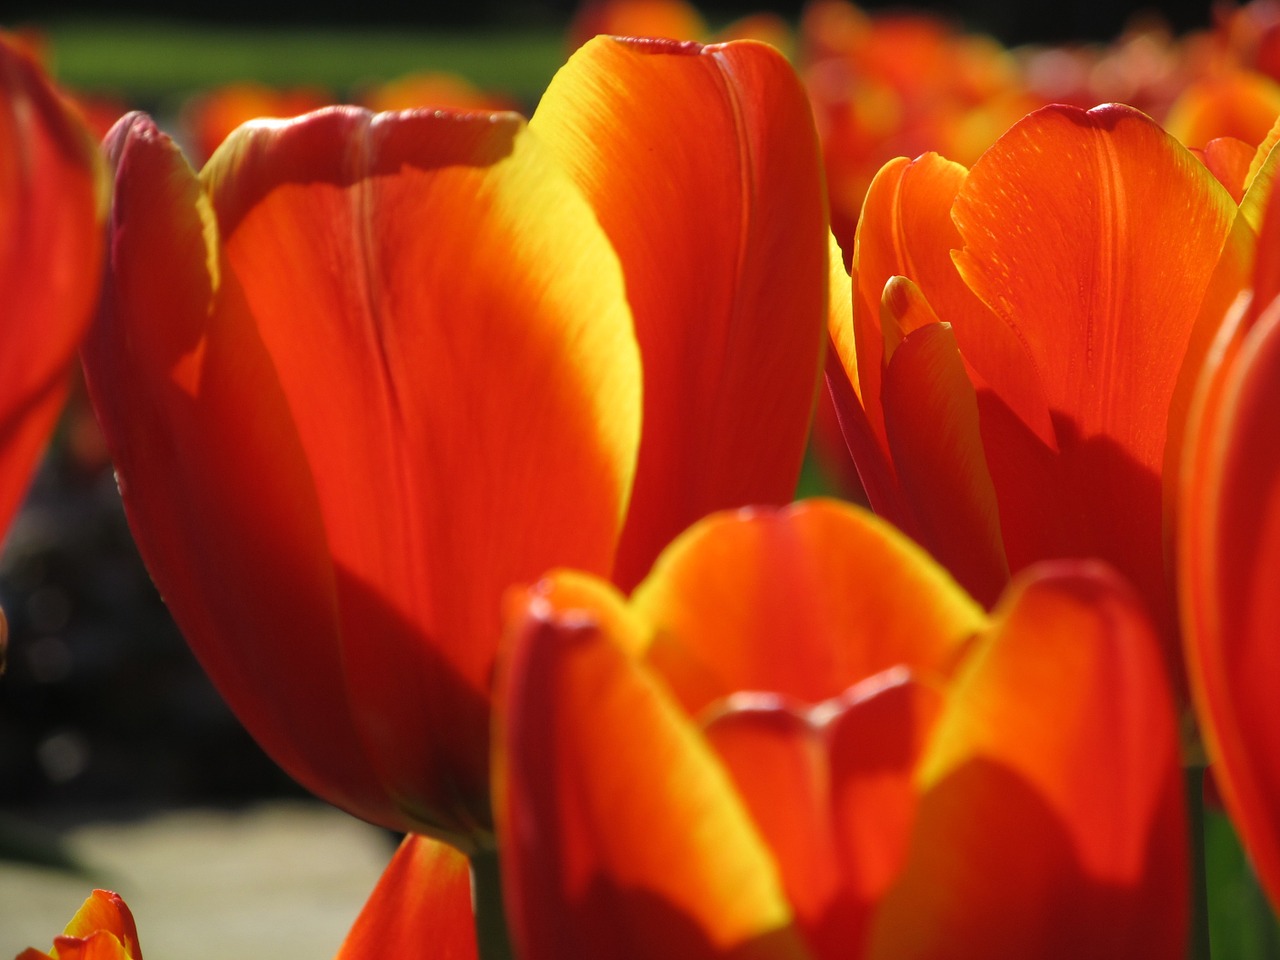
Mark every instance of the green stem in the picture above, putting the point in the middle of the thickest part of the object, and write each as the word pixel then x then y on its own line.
pixel 1198 942
pixel 492 939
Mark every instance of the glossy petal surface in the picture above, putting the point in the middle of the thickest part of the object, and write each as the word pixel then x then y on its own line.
pixel 424 896
pixel 702 165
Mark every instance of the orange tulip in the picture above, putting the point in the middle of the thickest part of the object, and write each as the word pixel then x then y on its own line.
pixel 102 929
pixel 1017 355
pixel 51 198
pixel 799 738
pixel 1229 558
pixel 363 373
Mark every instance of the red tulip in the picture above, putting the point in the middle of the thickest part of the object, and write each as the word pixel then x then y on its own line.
pixel 102 929
pixel 1023 339
pixel 799 738
pixel 51 198
pixel 363 373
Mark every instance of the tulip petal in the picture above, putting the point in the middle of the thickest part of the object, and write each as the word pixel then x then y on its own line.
pixel 870 457
pixel 171 426
pixel 1051 820
pixel 102 929
pixel 51 193
pixel 703 166
pixel 1229 552
pixel 931 418
pixel 831 790
pixel 431 420
pixel 424 895
pixel 1097 238
pixel 622 836
pixel 850 595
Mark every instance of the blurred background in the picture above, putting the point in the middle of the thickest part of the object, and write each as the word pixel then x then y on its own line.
pixel 1011 21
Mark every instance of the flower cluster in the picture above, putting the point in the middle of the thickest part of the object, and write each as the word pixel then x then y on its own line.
pixel 462 448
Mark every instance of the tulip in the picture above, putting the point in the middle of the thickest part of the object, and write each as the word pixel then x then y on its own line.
pixel 1229 556
pixel 51 196
pixel 1018 351
pixel 102 929
pixel 363 373
pixel 799 738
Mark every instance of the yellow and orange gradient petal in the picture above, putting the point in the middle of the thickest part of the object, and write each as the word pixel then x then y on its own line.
pixel 725 256
pixel 102 929
pixel 619 827
pixel 364 372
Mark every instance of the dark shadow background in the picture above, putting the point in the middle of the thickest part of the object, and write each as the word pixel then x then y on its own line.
pixel 1011 21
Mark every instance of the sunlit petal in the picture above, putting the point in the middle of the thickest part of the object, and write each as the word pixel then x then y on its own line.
pixel 409 317
pixel 1051 820
pixel 424 896
pixel 621 834
pixel 804 602
pixel 702 164
pixel 1098 239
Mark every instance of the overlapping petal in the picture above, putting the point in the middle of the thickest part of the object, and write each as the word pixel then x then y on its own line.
pixel 851 597
pixel 1228 555
pixel 102 929
pixel 1082 265
pixel 622 835
pixel 51 206
pixel 880 804
pixel 329 311
pixel 725 256
pixel 1050 821
pixel 389 368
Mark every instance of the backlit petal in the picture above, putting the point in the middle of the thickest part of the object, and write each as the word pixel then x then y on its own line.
pixel 931 418
pixel 425 328
pixel 621 834
pixel 173 427
pixel 1051 821
pixel 1229 553
pixel 804 601
pixel 702 164
pixel 424 896
pixel 1097 239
